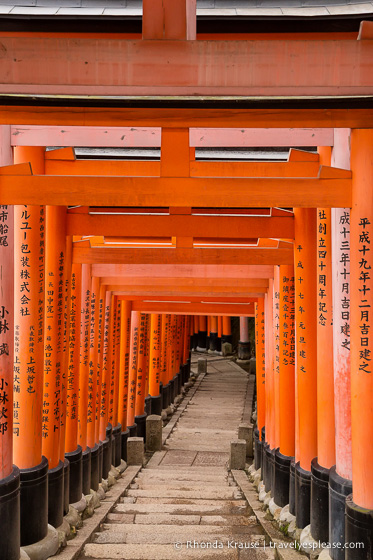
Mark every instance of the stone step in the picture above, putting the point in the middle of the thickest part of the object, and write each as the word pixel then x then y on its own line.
pixel 196 477
pixel 155 552
pixel 185 468
pixel 181 485
pixel 180 509
pixel 204 494
pixel 186 501
pixel 168 534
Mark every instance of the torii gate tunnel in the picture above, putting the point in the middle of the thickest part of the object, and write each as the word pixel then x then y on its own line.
pixel 113 269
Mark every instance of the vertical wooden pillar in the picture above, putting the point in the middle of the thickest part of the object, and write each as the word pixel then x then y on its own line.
pixel 140 415
pixel 286 374
pixel 226 335
pixel 202 333
pixel 55 246
pixel 73 450
pixel 125 330
pixel 340 478
pixel 166 320
pixel 132 376
pixel 276 354
pixel 269 444
pixel 92 382
pixel 154 363
pixel 105 428
pixel 359 506
pixel 306 357
pixel 9 473
pixel 114 382
pixel 98 391
pixel 165 19
pixel 260 379
pixel 29 240
pixel 213 333
pixel 84 375
pixel 220 331
pixel 244 347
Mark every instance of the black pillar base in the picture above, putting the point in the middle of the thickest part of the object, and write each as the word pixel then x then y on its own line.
pixel 117 455
pixel 172 390
pixel 76 475
pixel 66 486
pixel 183 374
pixel 272 467
pixel 124 437
pixel 207 342
pixel 86 460
pixel 147 405
pixel 319 502
pixel 55 495
pixel 202 341
pixel 189 361
pixel 263 440
pixel 218 344
pixel 100 459
pixel 213 341
pixel 165 396
pixel 133 430
pixel 94 467
pixel 106 457
pixel 156 405
pixel 302 496
pixel 34 503
pixel 282 479
pixel 265 463
pixel 141 424
pixel 359 529
pixel 257 450
pixel 195 341
pixel 10 515
pixel 244 350
pixel 179 382
pixel 292 488
pixel 339 489
pixel 226 338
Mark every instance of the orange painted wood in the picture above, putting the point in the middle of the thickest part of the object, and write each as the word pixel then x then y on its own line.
pixel 276 354
pixel 105 384
pixel 178 118
pixel 325 361
pixel 132 372
pixel 214 324
pixel 220 326
pixel 180 226
pixel 125 331
pixel 106 167
pixel 117 359
pixel 287 361
pixel 293 168
pixel 155 354
pixel 107 67
pixel 166 19
pixel 7 333
pixel 183 191
pixel 28 349
pixel 260 362
pixel 64 154
pixel 84 356
pixel 93 375
pixel 306 321
pixel 217 294
pixel 190 284
pixel 72 396
pixel 183 256
pixel 142 372
pixel 112 356
pixel 16 169
pixel 361 314
pixel 269 365
pixel 100 349
pixel 55 251
pixel 175 154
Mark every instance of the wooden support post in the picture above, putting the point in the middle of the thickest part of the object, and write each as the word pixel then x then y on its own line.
pixel 260 382
pixel 165 336
pixel 154 363
pixel 73 450
pixel 195 333
pixel 220 331
pixel 202 333
pixel 325 459
pixel 105 428
pixel 125 330
pixel 340 478
pixel 29 240
pixel 226 335
pixel 285 454
pixel 114 380
pixel 55 247
pixel 140 416
pixel 244 347
pixel 98 390
pixel 306 358
pixel 92 442
pixel 166 19
pixel 359 506
pixel 213 333
pixel 84 375
pixel 269 442
pixel 132 374
pixel 9 494
pixel 276 357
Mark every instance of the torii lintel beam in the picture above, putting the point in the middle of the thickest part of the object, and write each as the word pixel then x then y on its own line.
pixel 191 284
pixel 209 272
pixel 230 309
pixel 132 137
pixel 180 225
pixel 115 67
pixel 182 256
pixel 220 117
pixel 180 191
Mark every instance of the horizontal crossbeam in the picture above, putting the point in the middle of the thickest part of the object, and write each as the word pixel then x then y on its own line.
pixel 230 309
pixel 210 273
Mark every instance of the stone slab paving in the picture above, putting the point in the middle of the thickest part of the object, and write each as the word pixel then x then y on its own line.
pixel 185 504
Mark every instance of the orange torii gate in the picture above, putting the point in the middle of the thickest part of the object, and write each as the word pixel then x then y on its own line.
pixel 180 184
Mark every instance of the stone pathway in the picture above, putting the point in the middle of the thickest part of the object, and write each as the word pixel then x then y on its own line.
pixel 185 504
